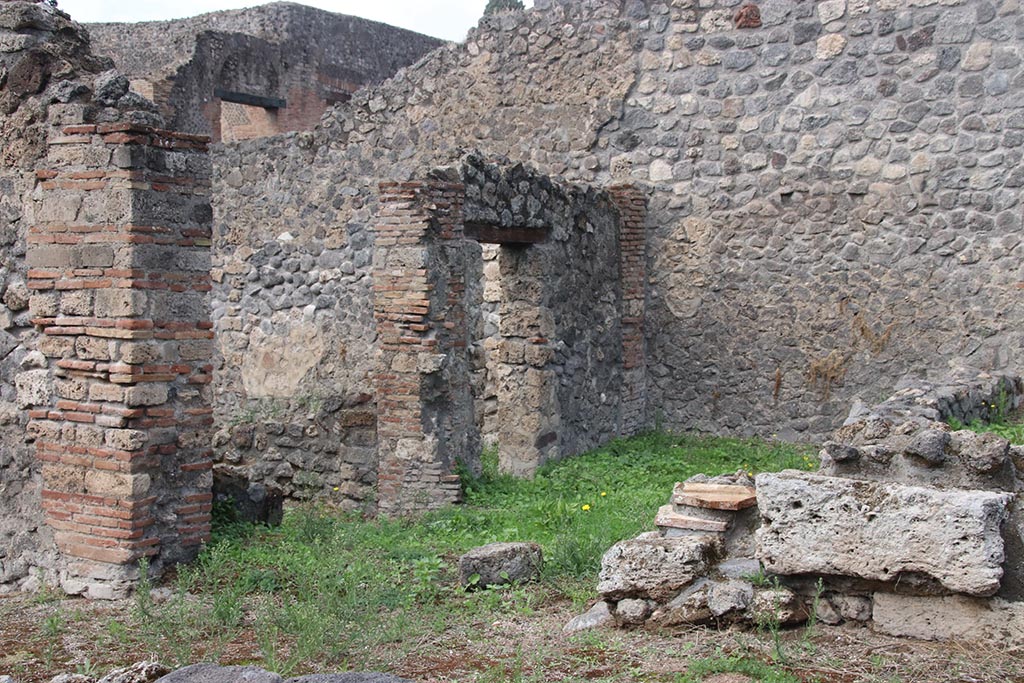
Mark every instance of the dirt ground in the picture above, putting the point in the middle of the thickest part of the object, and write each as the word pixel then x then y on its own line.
pixel 43 637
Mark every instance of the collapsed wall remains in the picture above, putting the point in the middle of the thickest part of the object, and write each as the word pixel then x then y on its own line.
pixel 831 201
pixel 240 74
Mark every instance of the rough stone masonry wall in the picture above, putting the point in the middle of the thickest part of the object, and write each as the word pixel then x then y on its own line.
pixel 308 57
pixel 835 185
pixel 318 192
pixel 837 203
pixel 558 348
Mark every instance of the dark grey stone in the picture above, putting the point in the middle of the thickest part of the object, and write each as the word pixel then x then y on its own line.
pixel 214 673
pixel 499 564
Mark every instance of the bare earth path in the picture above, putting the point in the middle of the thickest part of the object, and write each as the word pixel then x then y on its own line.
pixel 40 638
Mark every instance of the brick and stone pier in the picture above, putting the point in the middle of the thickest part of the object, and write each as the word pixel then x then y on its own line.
pixel 425 410
pixel 119 270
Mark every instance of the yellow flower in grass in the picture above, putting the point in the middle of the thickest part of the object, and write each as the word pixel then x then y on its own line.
pixel 585 507
pixel 603 494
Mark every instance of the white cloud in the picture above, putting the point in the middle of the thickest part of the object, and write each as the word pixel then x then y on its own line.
pixel 449 19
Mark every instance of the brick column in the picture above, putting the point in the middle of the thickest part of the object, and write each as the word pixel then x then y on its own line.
pixel 119 267
pixel 425 418
pixel 632 205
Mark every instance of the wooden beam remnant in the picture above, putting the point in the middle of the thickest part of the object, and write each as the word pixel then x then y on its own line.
pixel 493 234
pixel 251 100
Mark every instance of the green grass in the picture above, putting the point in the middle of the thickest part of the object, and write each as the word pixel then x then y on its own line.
pixel 755 669
pixel 1010 428
pixel 325 588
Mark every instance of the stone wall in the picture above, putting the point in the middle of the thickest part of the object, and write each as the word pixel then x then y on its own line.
pixel 119 266
pixel 559 350
pixel 835 199
pixel 307 57
pixel 294 320
pixel 316 194
pixel 298 386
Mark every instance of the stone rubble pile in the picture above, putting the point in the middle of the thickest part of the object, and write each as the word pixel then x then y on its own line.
pixel 909 526
pixel 698 568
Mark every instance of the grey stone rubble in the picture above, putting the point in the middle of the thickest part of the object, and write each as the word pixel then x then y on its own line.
pixel 911 527
pixel 499 564
pixel 684 574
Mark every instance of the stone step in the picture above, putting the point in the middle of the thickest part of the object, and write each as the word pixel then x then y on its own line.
pixel 714 496
pixel 705 513
pixel 668 518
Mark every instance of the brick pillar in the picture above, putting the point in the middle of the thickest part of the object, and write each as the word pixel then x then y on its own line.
pixel 119 266
pixel 632 205
pixel 425 418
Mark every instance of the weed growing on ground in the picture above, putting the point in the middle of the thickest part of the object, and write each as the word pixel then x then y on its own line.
pixel 1002 420
pixel 759 671
pixel 769 621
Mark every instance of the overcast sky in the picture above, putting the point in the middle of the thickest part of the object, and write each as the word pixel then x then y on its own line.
pixel 449 19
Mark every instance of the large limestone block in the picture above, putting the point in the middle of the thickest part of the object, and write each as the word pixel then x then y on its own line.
pixel 654 568
pixel 950 617
pixel 812 524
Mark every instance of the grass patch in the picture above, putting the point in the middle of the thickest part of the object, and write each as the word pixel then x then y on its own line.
pixel 1010 428
pixel 759 671
pixel 330 591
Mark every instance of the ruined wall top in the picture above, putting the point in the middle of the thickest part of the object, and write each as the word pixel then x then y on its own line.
pixel 47 59
pixel 147 49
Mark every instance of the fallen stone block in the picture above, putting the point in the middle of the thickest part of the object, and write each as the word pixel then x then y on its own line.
pixel 214 673
pixel 812 524
pixel 655 568
pixel 596 616
pixel 497 564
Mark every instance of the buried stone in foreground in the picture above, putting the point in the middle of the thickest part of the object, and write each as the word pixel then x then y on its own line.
pixel 812 524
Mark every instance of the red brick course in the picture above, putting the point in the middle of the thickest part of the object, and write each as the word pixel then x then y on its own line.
pixel 114 469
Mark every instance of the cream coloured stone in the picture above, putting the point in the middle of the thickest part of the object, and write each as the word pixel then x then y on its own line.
pixel 660 171
pixel 950 617
pixel 812 524
pixel 831 10
pixel 978 57
pixel 830 46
